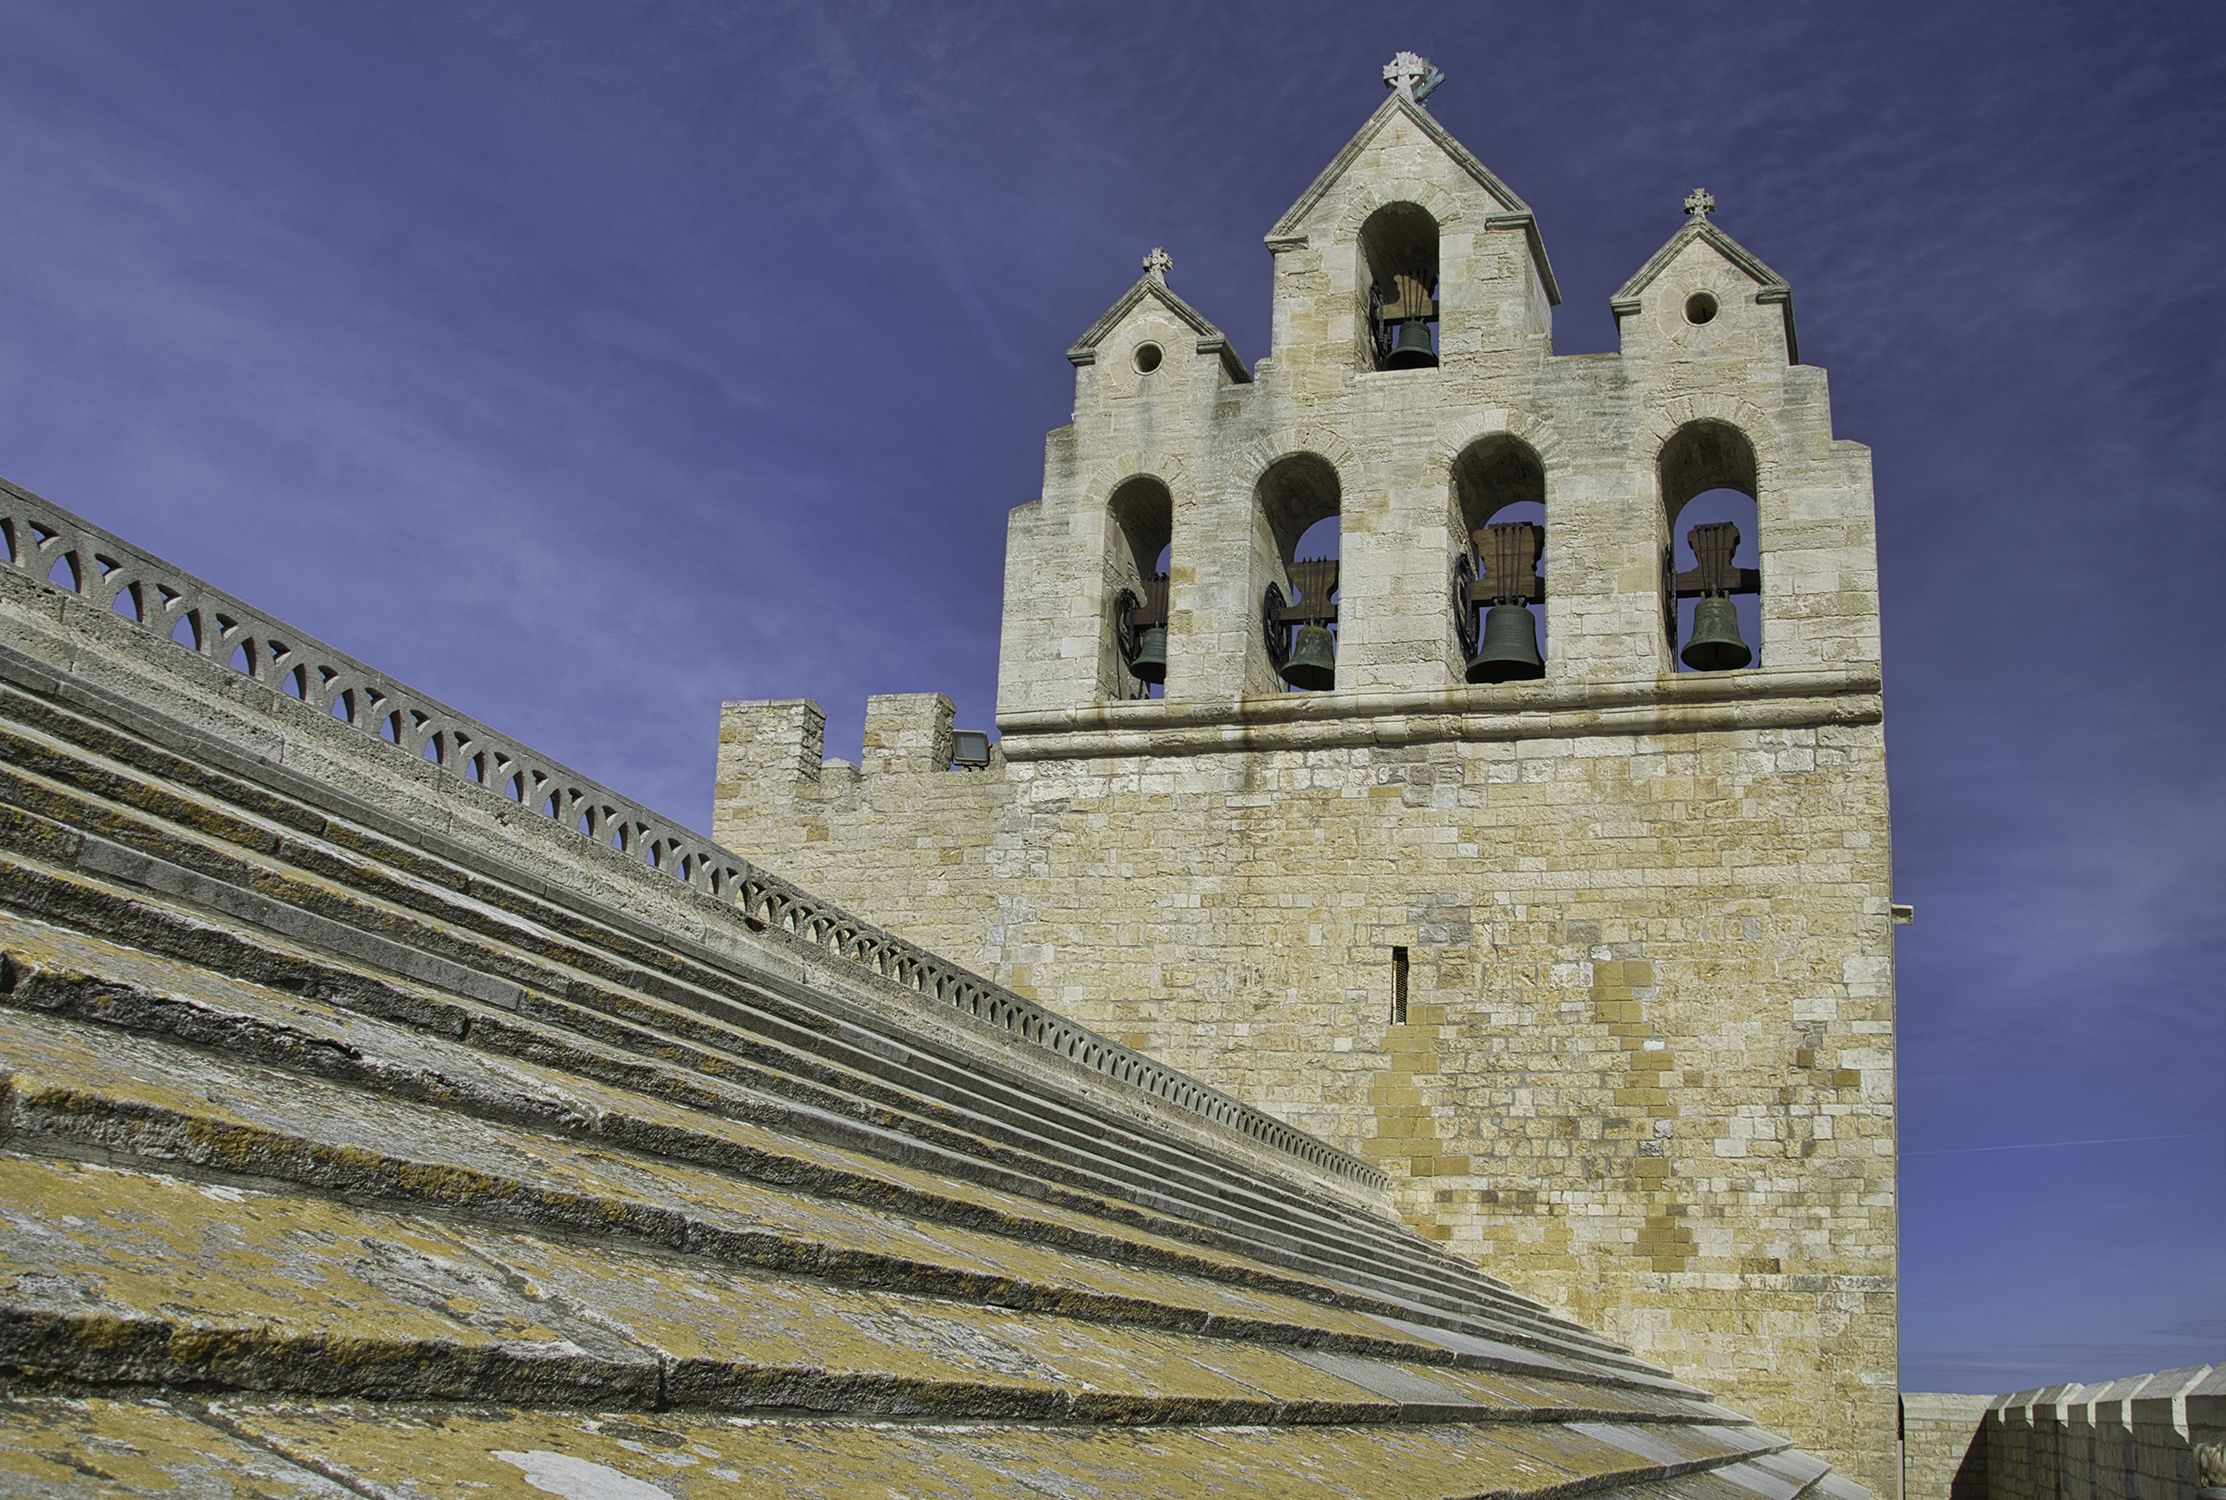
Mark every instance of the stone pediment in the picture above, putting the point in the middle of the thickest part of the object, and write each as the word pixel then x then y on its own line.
pixel 1771 289
pixel 1211 340
pixel 1508 210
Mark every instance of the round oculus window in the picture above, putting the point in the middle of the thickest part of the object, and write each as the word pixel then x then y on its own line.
pixel 1147 357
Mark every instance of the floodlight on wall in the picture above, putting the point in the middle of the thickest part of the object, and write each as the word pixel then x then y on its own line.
pixel 970 749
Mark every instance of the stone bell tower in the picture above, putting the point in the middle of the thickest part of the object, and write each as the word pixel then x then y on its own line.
pixel 1566 897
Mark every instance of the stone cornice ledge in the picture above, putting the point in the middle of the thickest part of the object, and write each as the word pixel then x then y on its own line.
pixel 1761 699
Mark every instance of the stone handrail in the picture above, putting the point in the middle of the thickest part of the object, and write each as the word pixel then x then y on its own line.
pixel 51 544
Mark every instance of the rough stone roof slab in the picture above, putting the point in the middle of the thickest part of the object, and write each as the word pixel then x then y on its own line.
pixel 367 1132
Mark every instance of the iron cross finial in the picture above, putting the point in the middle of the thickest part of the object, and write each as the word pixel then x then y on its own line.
pixel 1700 203
pixel 1411 74
pixel 1159 263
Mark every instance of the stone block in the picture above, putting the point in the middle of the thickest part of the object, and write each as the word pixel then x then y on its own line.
pixel 907 732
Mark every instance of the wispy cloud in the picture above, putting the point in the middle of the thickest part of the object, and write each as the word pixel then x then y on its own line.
pixel 903 175
pixel 2121 1140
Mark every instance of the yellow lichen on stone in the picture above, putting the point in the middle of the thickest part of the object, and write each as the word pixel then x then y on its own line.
pixel 217 1274
pixel 83 1449
pixel 460 1455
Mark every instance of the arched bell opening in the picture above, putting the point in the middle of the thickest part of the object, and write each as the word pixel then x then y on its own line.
pixel 1300 502
pixel 1399 268
pixel 1498 537
pixel 1133 662
pixel 1711 549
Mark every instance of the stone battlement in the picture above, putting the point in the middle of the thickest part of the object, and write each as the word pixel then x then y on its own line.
pixel 2146 1437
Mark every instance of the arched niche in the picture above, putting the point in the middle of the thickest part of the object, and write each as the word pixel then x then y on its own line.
pixel 1706 455
pixel 1144 517
pixel 1709 477
pixel 1399 277
pixel 1296 491
pixel 1298 499
pixel 1140 539
pixel 1497 480
pixel 1493 473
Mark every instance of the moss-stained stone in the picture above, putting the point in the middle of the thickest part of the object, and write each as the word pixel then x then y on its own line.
pixel 457 1455
pixel 63 1449
pixel 357 1130
pixel 133 1094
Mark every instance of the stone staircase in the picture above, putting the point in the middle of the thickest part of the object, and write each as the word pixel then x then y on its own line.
pixel 367 1132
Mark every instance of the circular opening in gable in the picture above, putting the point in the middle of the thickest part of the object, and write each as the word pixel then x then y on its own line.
pixel 1147 357
pixel 1699 308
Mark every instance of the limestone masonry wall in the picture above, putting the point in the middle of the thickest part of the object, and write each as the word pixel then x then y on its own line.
pixel 1647 1067
pixel 2141 1438
pixel 1942 1454
pixel 1645 1064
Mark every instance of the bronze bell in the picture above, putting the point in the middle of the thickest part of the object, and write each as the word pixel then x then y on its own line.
pixel 1313 663
pixel 1715 646
pixel 1150 661
pixel 1412 351
pixel 1510 649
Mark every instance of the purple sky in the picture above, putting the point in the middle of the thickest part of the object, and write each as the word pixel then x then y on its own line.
pixel 586 365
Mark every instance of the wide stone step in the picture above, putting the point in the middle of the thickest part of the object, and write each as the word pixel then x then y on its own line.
pixel 121 1275
pixel 326 1450
pixel 1328 1239
pixel 67 975
pixel 496 1025
pixel 87 1089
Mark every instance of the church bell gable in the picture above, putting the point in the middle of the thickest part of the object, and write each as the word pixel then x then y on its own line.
pixel 1486 284
pixel 1704 294
pixel 1151 307
pixel 1471 752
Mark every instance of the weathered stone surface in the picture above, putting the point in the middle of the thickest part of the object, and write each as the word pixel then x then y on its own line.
pixel 1645 1071
pixel 367 1130
pixel 2132 1439
pixel 283 1210
pixel 683 1455
pixel 1943 1454
pixel 66 1449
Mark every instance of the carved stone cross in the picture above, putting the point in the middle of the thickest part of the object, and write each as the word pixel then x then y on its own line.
pixel 1159 263
pixel 1699 203
pixel 1412 75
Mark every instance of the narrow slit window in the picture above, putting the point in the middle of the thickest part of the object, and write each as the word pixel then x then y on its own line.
pixel 1398 986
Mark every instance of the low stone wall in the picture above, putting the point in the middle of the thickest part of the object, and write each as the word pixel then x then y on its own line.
pixel 1940 1458
pixel 2146 1437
